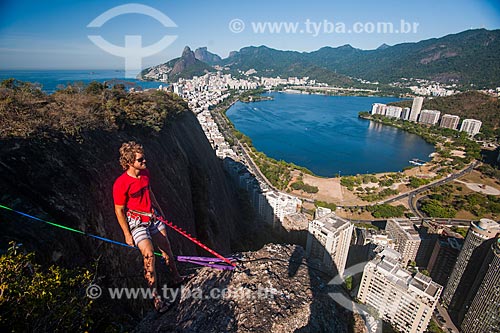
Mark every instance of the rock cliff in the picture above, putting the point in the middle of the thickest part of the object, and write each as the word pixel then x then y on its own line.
pixel 274 290
pixel 68 179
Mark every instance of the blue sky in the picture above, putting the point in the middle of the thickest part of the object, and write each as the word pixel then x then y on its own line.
pixel 53 34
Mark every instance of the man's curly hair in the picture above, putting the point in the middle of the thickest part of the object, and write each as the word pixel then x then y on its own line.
pixel 127 153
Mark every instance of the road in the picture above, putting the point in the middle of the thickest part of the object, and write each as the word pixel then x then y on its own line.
pixel 413 194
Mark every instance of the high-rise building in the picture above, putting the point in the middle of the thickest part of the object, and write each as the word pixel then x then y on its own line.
pixel 393 111
pixel 467 268
pixel 406 301
pixel 415 108
pixel 429 117
pixel 328 240
pixel 449 121
pixel 443 258
pixel 483 314
pixel 378 108
pixel 406 239
pixel 471 126
pixel 405 114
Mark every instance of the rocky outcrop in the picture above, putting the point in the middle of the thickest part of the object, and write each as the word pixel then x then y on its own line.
pixel 273 290
pixel 204 55
pixel 185 67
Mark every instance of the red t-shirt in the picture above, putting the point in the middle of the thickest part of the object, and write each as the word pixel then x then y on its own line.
pixel 133 193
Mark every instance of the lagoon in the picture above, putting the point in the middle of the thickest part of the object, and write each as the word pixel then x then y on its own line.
pixel 325 135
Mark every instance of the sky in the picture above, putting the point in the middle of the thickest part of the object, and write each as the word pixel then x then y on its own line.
pixel 53 34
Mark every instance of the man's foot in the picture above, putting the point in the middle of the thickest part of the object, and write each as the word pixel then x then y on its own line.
pixel 161 306
pixel 182 280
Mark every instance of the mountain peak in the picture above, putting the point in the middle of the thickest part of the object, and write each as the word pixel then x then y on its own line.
pixel 204 55
pixel 187 51
pixel 383 47
pixel 346 47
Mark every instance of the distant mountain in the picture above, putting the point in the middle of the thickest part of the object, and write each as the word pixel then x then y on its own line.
pixel 186 67
pixel 469 57
pixel 273 63
pixel 204 55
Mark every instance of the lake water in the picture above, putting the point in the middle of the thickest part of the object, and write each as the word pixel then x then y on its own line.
pixel 325 135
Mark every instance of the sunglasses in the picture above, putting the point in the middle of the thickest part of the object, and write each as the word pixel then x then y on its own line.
pixel 140 160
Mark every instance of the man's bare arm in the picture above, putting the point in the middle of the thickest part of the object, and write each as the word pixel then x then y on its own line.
pixel 122 220
pixel 155 203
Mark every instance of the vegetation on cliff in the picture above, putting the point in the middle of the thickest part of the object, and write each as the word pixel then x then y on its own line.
pixel 27 111
pixel 33 299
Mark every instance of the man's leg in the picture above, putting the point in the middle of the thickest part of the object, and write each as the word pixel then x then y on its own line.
pixel 147 250
pixel 161 239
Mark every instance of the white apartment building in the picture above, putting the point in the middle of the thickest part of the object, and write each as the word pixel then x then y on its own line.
pixel 471 126
pixel 429 117
pixel 393 111
pixel 449 121
pixel 282 204
pixel 415 108
pixel 405 114
pixel 378 108
pixel 406 238
pixel 328 241
pixel 406 301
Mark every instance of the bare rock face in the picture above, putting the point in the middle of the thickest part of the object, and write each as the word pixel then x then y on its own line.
pixel 273 290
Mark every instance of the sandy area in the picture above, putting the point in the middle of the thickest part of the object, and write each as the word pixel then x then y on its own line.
pixel 482 188
pixel 330 190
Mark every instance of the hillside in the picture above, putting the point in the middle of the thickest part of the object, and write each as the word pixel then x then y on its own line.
pixel 468 57
pixel 272 63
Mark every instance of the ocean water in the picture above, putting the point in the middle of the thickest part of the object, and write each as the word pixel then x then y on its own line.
pixel 51 80
pixel 325 135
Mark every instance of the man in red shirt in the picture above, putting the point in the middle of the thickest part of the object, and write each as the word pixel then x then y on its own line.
pixel 134 202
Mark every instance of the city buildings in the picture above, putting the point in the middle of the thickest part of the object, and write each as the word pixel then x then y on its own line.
pixel 449 121
pixel 328 242
pixel 393 112
pixel 429 117
pixel 406 239
pixel 415 108
pixel 378 108
pixel 406 301
pixel 471 126
pixel 443 258
pixel 461 285
pixel 483 314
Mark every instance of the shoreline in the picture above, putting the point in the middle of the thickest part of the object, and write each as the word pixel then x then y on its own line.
pixel 311 172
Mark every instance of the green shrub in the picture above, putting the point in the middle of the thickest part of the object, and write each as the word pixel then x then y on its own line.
pixel 33 299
